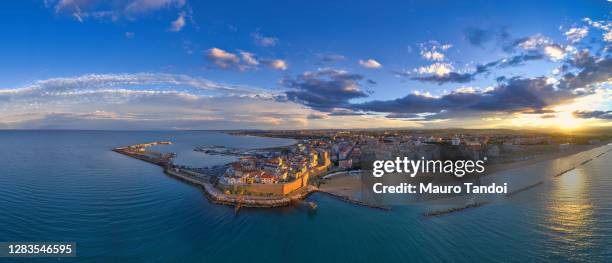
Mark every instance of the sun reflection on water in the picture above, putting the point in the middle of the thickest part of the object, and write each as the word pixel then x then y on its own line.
pixel 571 215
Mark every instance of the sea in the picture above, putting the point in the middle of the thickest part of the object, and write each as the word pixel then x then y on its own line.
pixel 68 186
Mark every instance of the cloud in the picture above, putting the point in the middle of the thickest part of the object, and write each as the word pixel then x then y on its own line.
pixel 248 58
pixel 277 64
pixel 441 73
pixel 477 36
pixel 421 117
pixel 592 70
pixel 539 111
pixel 450 77
pixel 124 84
pixel 438 69
pixel 606 115
pixel 325 89
pixel 144 101
pixel 554 52
pixel 263 40
pixel 433 50
pixel 222 58
pixel 370 63
pixel 130 34
pixel 543 44
pixel 139 6
pixel 533 42
pixel 515 60
pixel 516 94
pixel 480 37
pixel 317 116
pixel 111 10
pixel 605 26
pixel 575 34
pixel 330 57
pixel 179 23
pixel 529 95
pixel 242 62
pixel 432 55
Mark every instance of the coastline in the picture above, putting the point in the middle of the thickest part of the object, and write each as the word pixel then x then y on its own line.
pixel 545 157
pixel 344 187
pixel 214 195
pixel 347 186
pixel 203 182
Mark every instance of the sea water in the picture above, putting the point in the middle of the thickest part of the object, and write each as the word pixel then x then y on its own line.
pixel 70 186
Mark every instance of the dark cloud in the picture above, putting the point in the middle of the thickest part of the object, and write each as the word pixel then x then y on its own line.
pixel 428 116
pixel 452 77
pixel 480 37
pixel 516 94
pixel 325 89
pixel 592 70
pixel 455 77
pixel 316 116
pixel 330 90
pixel 606 115
pixel 415 103
pixel 519 59
pixel 548 116
pixel 395 115
pixel 347 113
pixel 541 111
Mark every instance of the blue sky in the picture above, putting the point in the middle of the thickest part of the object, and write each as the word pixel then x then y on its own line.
pixel 178 64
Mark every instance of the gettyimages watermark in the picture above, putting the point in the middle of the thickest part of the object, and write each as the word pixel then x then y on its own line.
pixel 448 176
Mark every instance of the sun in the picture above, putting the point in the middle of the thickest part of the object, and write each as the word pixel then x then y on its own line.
pixel 560 120
pixel 566 121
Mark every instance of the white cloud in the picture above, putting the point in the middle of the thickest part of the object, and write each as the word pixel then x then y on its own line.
pixel 433 51
pixel 432 55
pixel 370 63
pixel 608 36
pixel 249 58
pixel 111 10
pixel 263 40
pixel 554 52
pixel 605 26
pixel 469 90
pixel 576 34
pixel 141 6
pixel 534 42
pixel 143 100
pixel 277 64
pixel 222 58
pixel 246 61
pixel 124 84
pixel 439 69
pixel 179 23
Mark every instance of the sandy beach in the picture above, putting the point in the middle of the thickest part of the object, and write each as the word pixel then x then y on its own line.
pixel 351 185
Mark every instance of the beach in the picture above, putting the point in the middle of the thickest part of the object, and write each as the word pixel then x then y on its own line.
pixel 351 186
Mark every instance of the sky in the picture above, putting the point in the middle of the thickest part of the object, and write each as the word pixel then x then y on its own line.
pixel 179 64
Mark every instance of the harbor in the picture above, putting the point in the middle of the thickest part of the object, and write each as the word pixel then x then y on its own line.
pixel 205 181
